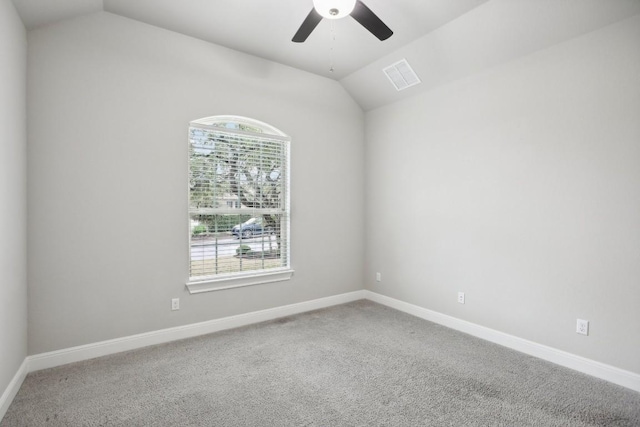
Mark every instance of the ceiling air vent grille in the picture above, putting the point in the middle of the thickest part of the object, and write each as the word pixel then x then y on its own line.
pixel 401 75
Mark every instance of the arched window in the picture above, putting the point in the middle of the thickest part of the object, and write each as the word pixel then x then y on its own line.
pixel 238 203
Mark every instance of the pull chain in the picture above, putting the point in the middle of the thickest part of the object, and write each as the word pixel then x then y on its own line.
pixel 332 43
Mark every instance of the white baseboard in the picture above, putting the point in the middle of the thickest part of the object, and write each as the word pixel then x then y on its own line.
pixel 75 354
pixel 13 387
pixel 590 367
pixel 103 348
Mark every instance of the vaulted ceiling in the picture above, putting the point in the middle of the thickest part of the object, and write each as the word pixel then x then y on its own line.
pixel 442 39
pixel 265 27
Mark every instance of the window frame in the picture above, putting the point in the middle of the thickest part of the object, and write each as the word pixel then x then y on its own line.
pixel 199 284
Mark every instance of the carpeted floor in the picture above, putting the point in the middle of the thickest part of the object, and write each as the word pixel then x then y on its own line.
pixel 359 364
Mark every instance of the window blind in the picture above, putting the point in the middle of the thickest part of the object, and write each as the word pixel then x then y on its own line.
pixel 238 200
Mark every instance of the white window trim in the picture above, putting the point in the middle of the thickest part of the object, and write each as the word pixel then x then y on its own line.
pixel 238 280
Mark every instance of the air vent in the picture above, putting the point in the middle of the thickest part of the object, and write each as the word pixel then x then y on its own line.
pixel 401 75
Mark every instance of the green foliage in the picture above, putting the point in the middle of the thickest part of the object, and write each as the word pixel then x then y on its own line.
pixel 243 250
pixel 199 229
pixel 220 223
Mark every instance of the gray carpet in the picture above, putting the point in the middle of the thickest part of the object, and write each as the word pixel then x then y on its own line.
pixel 359 364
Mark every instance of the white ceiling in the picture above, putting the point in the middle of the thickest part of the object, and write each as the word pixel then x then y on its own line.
pixel 264 28
pixel 36 13
pixel 443 40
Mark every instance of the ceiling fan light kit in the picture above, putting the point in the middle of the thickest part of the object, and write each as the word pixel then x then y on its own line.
pixel 334 9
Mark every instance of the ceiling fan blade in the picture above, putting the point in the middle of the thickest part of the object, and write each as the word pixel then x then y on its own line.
pixel 370 21
pixel 311 21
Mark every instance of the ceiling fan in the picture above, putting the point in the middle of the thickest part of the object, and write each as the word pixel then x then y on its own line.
pixel 336 9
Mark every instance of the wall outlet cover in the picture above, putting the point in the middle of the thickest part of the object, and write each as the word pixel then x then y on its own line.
pixel 582 327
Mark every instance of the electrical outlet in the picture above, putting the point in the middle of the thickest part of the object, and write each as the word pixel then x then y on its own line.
pixel 175 304
pixel 461 297
pixel 378 277
pixel 582 327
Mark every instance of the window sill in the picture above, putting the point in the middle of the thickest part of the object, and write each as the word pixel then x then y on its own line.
pixel 208 285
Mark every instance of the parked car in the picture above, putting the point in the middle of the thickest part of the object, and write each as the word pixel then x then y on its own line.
pixel 249 228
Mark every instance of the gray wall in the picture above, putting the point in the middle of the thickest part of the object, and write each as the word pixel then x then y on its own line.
pixel 13 197
pixel 518 186
pixel 109 103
